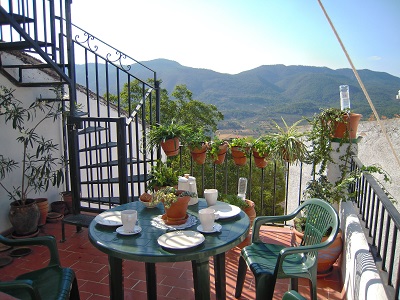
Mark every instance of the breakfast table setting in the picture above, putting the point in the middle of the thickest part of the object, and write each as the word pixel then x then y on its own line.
pixel 139 232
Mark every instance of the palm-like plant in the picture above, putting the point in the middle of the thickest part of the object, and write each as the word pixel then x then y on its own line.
pixel 289 144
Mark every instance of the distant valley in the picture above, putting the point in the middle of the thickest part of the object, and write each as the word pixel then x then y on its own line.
pixel 251 99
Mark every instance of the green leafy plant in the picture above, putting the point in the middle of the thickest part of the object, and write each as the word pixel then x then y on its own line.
pixel 214 147
pixel 242 143
pixel 322 188
pixel 162 175
pixel 289 143
pixel 170 195
pixel 162 132
pixel 195 139
pixel 234 200
pixel 38 166
pixel 263 145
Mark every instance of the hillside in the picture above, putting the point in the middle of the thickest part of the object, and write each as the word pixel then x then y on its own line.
pixel 251 99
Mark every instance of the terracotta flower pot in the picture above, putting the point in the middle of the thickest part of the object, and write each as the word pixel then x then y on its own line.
pixel 171 147
pixel 221 154
pixel 251 213
pixel 67 197
pixel 24 218
pixel 328 256
pixel 199 154
pixel 238 156
pixel 59 207
pixel 349 125
pixel 177 213
pixel 259 160
pixel 43 205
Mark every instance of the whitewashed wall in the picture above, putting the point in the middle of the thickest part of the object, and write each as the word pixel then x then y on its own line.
pixel 9 147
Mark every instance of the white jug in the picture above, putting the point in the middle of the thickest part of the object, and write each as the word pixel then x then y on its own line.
pixel 193 188
pixel 183 183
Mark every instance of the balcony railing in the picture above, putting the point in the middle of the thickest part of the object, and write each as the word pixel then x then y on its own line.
pixel 278 188
pixel 381 223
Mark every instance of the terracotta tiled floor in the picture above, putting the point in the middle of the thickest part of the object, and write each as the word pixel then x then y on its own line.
pixel 174 279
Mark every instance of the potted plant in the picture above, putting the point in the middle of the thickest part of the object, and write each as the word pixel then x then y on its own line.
pixel 248 207
pixel 240 147
pixel 320 186
pixel 217 150
pixel 162 175
pixel 38 165
pixel 175 204
pixel 289 143
pixel 261 148
pixel 340 123
pixel 167 136
pixel 197 143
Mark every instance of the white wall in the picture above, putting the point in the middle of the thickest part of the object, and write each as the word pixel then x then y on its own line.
pixel 9 147
pixel 360 276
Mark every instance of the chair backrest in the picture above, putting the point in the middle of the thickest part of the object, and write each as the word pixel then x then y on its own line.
pixel 321 218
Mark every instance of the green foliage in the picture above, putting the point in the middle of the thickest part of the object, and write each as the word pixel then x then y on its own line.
pixel 162 175
pixel 288 143
pixel 234 200
pixel 320 136
pixel 195 139
pixel 264 145
pixel 38 167
pixel 162 132
pixel 214 147
pixel 169 195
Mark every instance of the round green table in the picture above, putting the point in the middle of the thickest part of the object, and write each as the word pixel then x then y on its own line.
pixel 144 247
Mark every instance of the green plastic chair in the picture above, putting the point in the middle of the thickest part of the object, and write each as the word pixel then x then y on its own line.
pixel 292 295
pixel 269 261
pixel 51 282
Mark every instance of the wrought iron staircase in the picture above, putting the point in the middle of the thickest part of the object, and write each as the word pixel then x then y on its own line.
pixel 103 135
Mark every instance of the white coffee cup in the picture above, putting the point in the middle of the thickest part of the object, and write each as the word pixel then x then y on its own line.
pixel 129 218
pixel 207 217
pixel 211 196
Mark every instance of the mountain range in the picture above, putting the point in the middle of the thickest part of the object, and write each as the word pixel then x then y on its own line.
pixel 251 99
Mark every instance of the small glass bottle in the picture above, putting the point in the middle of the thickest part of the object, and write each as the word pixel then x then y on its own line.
pixel 344 97
pixel 242 188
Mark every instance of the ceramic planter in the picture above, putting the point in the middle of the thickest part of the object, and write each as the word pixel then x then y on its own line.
pixel 328 256
pixel 24 218
pixel 43 205
pixel 199 154
pixel 171 147
pixel 221 154
pixel 349 125
pixel 239 156
pixel 251 213
pixel 259 160
pixel 67 197
pixel 176 214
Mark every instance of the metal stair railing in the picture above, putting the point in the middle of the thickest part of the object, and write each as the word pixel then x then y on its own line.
pixel 33 26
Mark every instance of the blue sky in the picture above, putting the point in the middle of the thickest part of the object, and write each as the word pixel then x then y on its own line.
pixel 230 36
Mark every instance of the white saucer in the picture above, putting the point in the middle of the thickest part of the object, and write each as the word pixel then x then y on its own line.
pixel 216 228
pixel 136 230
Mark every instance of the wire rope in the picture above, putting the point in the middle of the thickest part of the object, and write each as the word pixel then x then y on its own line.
pixel 381 125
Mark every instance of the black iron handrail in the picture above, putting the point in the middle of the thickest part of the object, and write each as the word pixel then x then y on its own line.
pixel 381 221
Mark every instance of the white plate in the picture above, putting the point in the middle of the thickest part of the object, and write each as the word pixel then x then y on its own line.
pixel 109 218
pixel 216 228
pixel 225 210
pixel 180 239
pixel 136 230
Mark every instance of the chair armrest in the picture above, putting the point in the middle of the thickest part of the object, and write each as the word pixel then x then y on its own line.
pixel 258 221
pixel 303 249
pixel 20 286
pixel 48 241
